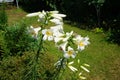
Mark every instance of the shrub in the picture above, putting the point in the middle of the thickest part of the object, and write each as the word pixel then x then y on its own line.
pixel 3 17
pixel 3 46
pixel 14 67
pixel 114 32
pixel 17 39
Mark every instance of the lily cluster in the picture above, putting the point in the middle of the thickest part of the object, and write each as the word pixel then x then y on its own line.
pixel 69 43
pixel 57 34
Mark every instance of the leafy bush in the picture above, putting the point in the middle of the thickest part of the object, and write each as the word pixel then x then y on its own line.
pixel 17 39
pixel 98 30
pixel 3 17
pixel 14 67
pixel 3 47
pixel 114 32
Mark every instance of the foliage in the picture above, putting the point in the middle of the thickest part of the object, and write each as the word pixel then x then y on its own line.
pixel 14 67
pixel 33 5
pixel 114 32
pixel 98 30
pixel 98 4
pixel 17 39
pixel 3 25
pixel 3 17
pixel 55 4
pixel 3 47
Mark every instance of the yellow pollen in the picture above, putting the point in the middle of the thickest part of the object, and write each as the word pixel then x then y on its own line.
pixel 81 44
pixel 70 52
pixel 48 33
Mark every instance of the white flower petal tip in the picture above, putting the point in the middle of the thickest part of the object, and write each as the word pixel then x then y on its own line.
pixel 34 31
pixel 57 21
pixel 37 29
pixel 33 14
pixel 57 15
pixel 54 12
pixel 58 30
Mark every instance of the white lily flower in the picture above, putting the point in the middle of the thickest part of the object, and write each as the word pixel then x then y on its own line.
pixel 78 37
pixel 48 34
pixel 69 53
pixel 68 35
pixel 60 36
pixel 42 16
pixel 57 21
pixel 57 39
pixel 58 33
pixel 63 46
pixel 58 28
pixel 58 16
pixel 81 42
pixel 54 12
pixel 37 29
pixel 34 31
pixel 33 14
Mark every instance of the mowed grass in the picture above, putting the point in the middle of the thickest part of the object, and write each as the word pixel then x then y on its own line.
pixel 103 57
pixel 15 15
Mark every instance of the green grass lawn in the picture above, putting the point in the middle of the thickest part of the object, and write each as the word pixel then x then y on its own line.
pixel 103 57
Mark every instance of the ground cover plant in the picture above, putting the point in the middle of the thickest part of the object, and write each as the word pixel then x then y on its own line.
pixel 102 56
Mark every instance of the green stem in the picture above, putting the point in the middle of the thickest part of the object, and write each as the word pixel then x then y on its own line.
pixel 58 70
pixel 39 49
pixel 36 57
pixel 35 60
